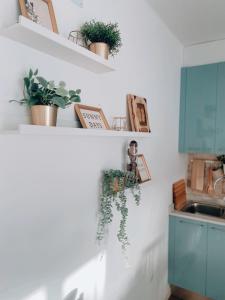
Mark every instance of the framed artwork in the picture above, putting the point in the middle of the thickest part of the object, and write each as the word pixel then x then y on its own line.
pixel 40 12
pixel 91 117
pixel 142 169
pixel 138 113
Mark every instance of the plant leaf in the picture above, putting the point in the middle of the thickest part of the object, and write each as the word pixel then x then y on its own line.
pixel 59 101
pixel 62 84
pixel 42 81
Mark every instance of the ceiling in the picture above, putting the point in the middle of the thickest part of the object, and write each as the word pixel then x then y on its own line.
pixel 193 21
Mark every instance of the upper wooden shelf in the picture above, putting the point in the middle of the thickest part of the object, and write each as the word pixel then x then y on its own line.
pixel 67 131
pixel 37 37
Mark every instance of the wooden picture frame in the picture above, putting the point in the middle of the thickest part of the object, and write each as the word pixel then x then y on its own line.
pixel 91 117
pixel 27 8
pixel 142 169
pixel 138 113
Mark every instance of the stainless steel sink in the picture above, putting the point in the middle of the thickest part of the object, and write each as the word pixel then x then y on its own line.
pixel 205 209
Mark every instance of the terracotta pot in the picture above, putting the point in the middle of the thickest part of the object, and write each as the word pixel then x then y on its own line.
pixel 44 115
pixel 101 49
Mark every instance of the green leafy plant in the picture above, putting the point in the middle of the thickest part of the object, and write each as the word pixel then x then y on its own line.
pixel 99 32
pixel 115 183
pixel 39 91
pixel 221 158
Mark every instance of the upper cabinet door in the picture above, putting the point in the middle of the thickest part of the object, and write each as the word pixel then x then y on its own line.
pixel 190 245
pixel 220 115
pixel 198 109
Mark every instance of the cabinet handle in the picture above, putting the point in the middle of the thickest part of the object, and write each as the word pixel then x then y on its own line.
pixel 186 222
pixel 216 228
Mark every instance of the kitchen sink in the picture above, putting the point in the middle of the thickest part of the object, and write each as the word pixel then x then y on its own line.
pixel 205 209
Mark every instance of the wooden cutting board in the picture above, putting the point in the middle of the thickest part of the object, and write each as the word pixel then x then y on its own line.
pixel 179 194
pixel 197 175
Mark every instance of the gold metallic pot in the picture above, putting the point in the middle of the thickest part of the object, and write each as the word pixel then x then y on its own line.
pixel 101 49
pixel 44 115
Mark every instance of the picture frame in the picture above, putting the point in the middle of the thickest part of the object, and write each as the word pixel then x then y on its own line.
pixel 40 12
pixel 138 114
pixel 142 169
pixel 91 117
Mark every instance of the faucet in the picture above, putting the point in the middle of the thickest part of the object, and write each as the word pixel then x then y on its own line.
pixel 222 201
pixel 218 180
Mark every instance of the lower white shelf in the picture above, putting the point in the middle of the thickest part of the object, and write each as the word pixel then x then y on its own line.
pixel 50 131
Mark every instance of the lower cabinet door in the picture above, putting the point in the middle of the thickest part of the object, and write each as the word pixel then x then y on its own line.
pixel 215 284
pixel 190 255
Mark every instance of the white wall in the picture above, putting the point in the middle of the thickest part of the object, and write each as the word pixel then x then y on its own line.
pixel 49 186
pixel 206 53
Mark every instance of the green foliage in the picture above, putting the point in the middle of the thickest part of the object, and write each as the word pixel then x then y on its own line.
pixel 39 91
pixel 110 197
pixel 99 32
pixel 221 158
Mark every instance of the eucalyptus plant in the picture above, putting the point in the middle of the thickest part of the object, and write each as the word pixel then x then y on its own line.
pixel 115 183
pixel 39 91
pixel 100 32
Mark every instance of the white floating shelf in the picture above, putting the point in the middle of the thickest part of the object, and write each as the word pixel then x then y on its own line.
pixel 67 131
pixel 39 38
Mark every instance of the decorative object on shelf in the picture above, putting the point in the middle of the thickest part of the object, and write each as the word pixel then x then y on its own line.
pixel 142 169
pixel 39 11
pixel 101 38
pixel 76 37
pixel 132 153
pixel 138 113
pixel 44 98
pixel 114 185
pixel 91 117
pixel 221 158
pixel 119 124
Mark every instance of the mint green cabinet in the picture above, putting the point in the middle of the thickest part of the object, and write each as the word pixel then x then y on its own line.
pixel 198 109
pixel 215 284
pixel 220 113
pixel 187 259
pixel 196 257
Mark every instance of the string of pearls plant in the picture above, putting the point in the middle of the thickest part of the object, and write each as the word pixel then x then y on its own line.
pixel 114 188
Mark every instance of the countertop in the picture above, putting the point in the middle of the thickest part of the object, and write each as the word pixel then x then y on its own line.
pixel 196 217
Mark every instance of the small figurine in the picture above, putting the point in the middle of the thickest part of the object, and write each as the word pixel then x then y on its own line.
pixel 132 153
pixel 31 11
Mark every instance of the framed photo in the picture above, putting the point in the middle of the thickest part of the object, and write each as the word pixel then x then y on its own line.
pixel 142 168
pixel 91 117
pixel 138 113
pixel 40 12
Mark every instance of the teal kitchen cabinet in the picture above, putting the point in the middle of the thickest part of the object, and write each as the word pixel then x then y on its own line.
pixel 187 254
pixel 220 114
pixel 198 109
pixel 215 284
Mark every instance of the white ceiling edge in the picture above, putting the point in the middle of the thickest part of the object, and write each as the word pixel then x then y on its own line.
pixel 193 22
pixel 204 53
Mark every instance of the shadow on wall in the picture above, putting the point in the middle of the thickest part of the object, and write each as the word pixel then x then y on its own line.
pixel 73 295
pixel 85 282
pixel 150 275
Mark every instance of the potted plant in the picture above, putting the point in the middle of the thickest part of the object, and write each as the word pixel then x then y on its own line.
pixel 221 158
pixel 114 186
pixel 44 98
pixel 101 38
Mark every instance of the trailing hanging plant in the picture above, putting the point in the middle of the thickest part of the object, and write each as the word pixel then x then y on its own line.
pixel 115 183
pixel 39 91
pixel 99 32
